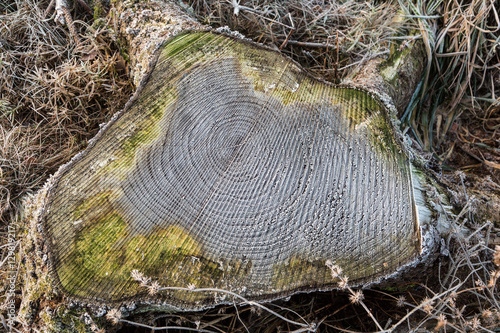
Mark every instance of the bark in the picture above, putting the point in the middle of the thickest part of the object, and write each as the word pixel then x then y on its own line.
pixel 145 25
pixel 393 79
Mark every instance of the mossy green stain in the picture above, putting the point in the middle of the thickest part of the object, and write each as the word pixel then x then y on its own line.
pixel 69 321
pixel 298 271
pixel 358 106
pixel 93 256
pixel 107 251
pixel 193 41
pixel 362 110
pixel 203 48
pixel 304 92
pixel 382 137
pixel 90 204
pixel 389 70
pixel 145 133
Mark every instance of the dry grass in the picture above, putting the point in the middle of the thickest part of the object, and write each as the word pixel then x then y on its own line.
pixel 463 73
pixel 53 92
pixel 327 37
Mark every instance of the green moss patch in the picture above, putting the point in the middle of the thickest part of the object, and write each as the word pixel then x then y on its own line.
pixel 107 252
pixel 358 106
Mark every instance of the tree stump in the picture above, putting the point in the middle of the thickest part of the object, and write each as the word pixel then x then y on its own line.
pixel 232 168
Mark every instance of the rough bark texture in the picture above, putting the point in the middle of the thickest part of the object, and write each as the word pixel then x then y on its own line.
pixel 145 25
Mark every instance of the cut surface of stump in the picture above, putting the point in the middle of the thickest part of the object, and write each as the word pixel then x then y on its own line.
pixel 232 168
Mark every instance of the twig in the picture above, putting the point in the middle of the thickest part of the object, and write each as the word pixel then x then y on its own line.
pixel 153 328
pixel 241 321
pixel 49 8
pixel 244 301
pixel 286 40
pixel 307 44
pixel 64 17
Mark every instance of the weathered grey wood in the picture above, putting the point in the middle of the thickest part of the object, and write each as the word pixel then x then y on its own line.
pixel 232 168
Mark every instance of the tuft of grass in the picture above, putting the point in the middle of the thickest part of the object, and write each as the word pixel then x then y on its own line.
pixel 328 37
pixel 54 93
pixel 462 39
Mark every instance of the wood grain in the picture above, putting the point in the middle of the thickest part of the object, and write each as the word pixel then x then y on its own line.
pixel 232 168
